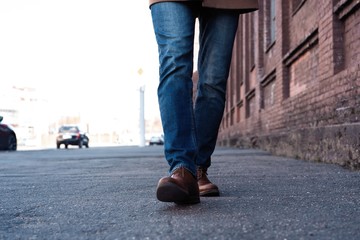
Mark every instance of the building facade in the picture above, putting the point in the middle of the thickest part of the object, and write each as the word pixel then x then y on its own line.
pixel 26 111
pixel 294 84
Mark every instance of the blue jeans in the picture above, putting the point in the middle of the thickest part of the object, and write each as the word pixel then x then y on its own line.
pixel 190 130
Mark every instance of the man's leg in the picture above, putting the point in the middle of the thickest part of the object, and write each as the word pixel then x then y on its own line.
pixel 174 25
pixel 217 33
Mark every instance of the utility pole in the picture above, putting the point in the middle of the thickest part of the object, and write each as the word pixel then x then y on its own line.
pixel 142 111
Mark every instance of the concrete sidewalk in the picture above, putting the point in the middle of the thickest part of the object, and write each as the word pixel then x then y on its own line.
pixel 109 193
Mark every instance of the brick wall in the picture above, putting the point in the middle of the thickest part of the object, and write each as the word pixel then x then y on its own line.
pixel 297 94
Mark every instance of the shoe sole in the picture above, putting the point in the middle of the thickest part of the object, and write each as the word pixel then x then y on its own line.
pixel 210 193
pixel 170 192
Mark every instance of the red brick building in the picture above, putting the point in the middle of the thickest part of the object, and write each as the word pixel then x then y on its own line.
pixel 294 84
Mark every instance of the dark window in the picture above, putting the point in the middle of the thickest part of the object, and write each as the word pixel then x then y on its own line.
pixel 296 5
pixel 252 41
pixel 270 24
pixel 272 21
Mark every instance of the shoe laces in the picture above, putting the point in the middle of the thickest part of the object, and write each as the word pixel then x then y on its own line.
pixel 201 172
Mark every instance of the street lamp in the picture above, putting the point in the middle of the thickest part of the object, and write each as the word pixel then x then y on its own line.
pixel 142 110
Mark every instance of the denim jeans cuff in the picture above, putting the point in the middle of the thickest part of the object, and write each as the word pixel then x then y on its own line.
pixel 193 172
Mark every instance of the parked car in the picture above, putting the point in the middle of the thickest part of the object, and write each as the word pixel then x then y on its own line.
pixel 71 135
pixel 156 140
pixel 8 140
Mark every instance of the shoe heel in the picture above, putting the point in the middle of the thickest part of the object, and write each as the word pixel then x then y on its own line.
pixel 170 192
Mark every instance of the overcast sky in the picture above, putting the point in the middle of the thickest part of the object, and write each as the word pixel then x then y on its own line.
pixel 94 47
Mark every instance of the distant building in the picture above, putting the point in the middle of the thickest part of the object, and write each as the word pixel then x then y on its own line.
pixel 24 109
pixel 294 85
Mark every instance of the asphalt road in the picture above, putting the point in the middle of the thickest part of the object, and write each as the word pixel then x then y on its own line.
pixel 109 193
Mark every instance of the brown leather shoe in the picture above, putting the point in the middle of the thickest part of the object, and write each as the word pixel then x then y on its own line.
pixel 206 188
pixel 181 187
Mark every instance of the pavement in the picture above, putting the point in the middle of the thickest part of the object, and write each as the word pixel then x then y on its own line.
pixel 109 193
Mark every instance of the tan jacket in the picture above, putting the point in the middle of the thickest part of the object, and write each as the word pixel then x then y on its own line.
pixel 247 5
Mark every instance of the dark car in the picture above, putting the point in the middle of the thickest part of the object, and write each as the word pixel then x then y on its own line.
pixel 156 140
pixel 8 140
pixel 71 135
